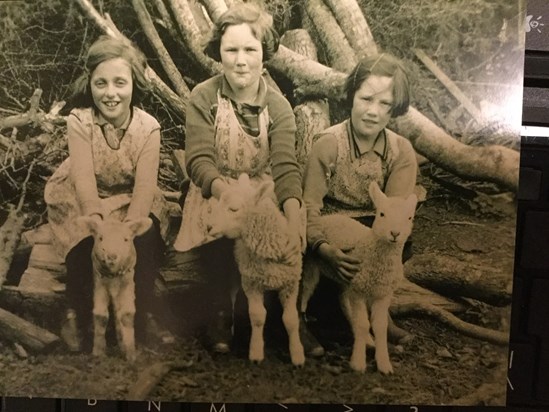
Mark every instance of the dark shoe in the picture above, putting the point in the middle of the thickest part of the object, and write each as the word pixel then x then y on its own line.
pixel 311 346
pixel 69 332
pixel 155 333
pixel 396 335
pixel 219 333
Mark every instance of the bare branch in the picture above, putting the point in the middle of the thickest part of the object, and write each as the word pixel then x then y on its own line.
pixel 165 59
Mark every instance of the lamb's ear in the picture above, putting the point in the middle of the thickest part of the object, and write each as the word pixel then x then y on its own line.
pixel 88 223
pixel 375 193
pixel 244 179
pixel 139 226
pixel 411 201
pixel 265 189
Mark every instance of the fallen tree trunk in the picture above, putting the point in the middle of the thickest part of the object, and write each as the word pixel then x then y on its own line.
pixel 32 337
pixel 339 53
pixel 451 277
pixel 468 329
pixel 166 61
pixel 497 164
pixel 354 25
pixel 311 116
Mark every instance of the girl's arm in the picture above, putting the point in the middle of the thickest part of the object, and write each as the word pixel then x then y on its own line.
pixel 146 176
pixel 82 171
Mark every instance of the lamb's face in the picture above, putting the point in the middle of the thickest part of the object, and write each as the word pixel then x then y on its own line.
pixel 228 215
pixel 394 219
pixel 113 249
pixel 394 215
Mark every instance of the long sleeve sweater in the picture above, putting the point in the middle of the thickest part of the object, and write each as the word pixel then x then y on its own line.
pixel 400 179
pixel 200 135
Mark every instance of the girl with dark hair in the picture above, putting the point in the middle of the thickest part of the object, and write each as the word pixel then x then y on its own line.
pixel 346 157
pixel 236 123
pixel 111 172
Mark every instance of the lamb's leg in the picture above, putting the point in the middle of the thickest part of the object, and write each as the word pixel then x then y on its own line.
pixel 358 317
pixel 100 316
pixel 380 313
pixel 346 307
pixel 309 282
pixel 258 313
pixel 124 307
pixel 288 299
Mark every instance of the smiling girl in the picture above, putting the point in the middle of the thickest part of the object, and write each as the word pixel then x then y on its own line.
pixel 111 172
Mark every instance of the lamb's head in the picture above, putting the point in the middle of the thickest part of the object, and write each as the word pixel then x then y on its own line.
pixel 113 249
pixel 230 212
pixel 394 215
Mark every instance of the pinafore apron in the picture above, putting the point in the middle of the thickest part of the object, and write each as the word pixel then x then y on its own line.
pixel 237 152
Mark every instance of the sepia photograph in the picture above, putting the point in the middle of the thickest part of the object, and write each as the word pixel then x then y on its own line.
pixel 264 201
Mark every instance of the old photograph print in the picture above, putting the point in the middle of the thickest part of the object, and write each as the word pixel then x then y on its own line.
pixel 447 323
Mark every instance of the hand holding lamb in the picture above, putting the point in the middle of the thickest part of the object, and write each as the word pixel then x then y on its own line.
pixel 380 250
pixel 113 259
pixel 268 256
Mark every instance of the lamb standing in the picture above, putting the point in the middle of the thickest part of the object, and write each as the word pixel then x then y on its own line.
pixel 268 258
pixel 380 250
pixel 113 259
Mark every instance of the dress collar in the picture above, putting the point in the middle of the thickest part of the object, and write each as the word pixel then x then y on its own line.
pixel 260 101
pixel 380 145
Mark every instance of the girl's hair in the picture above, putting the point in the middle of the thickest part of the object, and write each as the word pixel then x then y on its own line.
pixel 260 23
pixel 103 49
pixel 381 65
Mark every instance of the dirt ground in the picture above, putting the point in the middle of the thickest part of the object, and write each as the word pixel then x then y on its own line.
pixel 439 366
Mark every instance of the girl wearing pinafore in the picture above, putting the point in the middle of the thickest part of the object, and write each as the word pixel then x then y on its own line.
pixel 114 169
pixel 346 157
pixel 236 152
pixel 111 172
pixel 236 123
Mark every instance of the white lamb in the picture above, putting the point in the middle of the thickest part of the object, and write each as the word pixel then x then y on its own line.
pixel 380 250
pixel 268 257
pixel 113 259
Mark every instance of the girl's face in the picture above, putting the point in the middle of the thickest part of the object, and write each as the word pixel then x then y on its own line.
pixel 372 106
pixel 242 59
pixel 111 88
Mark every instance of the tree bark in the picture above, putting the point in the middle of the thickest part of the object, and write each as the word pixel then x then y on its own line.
pixel 351 20
pixel 215 8
pixel 309 77
pixel 192 36
pixel 497 164
pixel 32 337
pixel 450 277
pixel 311 116
pixel 339 53
pixel 154 39
pixel 468 329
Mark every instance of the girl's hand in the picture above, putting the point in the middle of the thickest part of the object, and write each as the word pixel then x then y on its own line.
pixel 345 265
pixel 296 221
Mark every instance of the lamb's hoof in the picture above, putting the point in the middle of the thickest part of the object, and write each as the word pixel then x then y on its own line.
pixel 69 333
pixel 256 361
pixel 385 368
pixel 358 366
pixel 99 353
pixel 131 357
pixel 299 360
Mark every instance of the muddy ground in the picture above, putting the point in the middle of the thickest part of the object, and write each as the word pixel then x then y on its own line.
pixel 439 366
